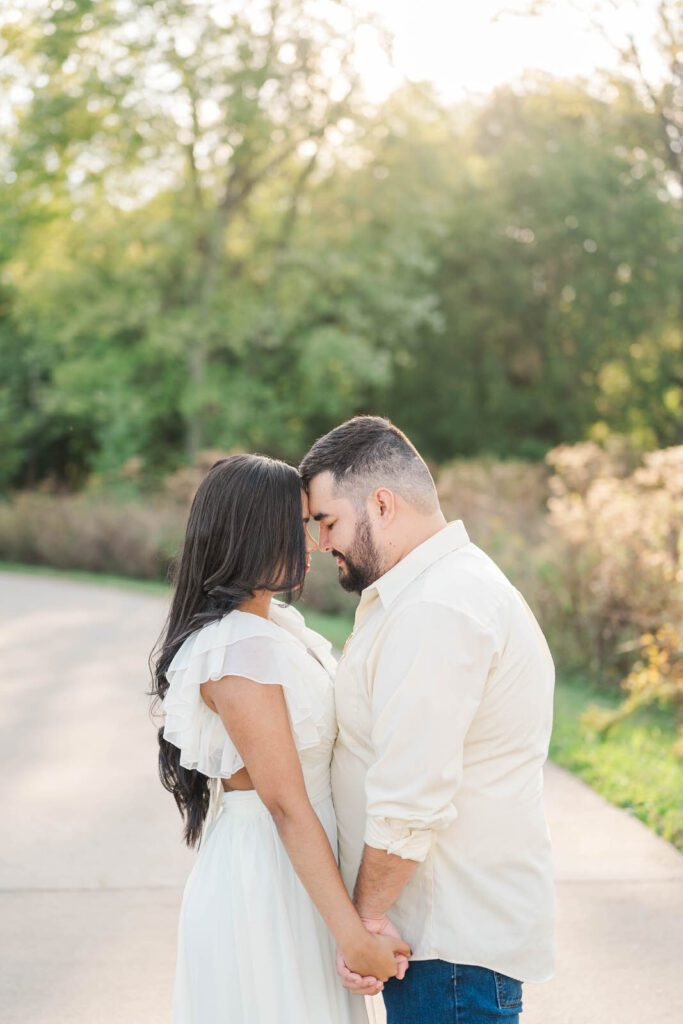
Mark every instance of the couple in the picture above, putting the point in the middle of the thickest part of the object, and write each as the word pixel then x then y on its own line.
pixel 421 762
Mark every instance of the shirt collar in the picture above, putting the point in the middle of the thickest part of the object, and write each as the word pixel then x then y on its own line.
pixel 389 586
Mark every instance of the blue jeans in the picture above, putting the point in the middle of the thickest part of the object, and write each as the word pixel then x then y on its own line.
pixel 436 992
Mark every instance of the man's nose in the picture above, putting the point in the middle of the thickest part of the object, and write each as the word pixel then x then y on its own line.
pixel 323 542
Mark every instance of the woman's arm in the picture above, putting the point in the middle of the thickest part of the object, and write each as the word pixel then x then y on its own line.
pixel 255 717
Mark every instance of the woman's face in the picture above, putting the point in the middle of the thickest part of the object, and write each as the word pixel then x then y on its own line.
pixel 311 542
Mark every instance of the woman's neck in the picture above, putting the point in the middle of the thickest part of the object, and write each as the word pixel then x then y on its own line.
pixel 259 604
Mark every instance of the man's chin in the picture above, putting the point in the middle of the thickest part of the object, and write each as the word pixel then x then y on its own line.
pixel 349 585
pixel 349 581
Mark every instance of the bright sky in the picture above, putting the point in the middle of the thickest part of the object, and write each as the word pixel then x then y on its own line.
pixel 463 49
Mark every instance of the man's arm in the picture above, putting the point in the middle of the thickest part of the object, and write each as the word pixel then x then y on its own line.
pixel 427 685
pixel 381 878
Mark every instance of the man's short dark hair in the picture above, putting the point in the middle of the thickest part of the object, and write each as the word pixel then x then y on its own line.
pixel 368 452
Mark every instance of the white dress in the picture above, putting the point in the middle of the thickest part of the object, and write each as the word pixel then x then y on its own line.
pixel 252 947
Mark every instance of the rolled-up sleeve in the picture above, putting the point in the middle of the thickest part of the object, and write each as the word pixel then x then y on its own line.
pixel 427 684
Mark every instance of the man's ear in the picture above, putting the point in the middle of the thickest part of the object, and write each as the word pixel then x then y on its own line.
pixel 384 502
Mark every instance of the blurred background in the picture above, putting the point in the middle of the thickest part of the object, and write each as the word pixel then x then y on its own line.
pixel 228 226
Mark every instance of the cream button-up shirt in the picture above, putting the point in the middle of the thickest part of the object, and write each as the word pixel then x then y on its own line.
pixel 444 702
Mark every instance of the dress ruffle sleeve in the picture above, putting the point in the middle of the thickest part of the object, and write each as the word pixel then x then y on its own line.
pixel 240 644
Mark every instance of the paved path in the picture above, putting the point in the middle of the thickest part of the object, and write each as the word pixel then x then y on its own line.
pixel 91 866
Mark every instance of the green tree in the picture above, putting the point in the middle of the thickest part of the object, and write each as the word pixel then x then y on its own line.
pixel 558 270
pixel 185 110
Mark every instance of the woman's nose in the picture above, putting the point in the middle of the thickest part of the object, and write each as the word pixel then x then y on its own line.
pixel 311 541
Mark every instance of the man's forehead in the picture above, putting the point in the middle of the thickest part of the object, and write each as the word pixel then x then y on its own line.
pixel 323 499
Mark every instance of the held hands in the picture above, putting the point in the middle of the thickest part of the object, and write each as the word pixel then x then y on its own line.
pixel 383 926
pixel 385 956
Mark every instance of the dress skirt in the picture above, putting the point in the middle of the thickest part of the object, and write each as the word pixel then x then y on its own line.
pixel 252 947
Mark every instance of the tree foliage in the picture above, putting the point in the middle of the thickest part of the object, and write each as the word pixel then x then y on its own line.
pixel 209 237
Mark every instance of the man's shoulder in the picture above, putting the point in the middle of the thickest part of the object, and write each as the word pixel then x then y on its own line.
pixel 465 582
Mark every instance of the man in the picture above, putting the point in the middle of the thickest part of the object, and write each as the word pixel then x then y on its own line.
pixel 444 700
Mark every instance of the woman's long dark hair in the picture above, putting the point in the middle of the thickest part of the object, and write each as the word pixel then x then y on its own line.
pixel 244 533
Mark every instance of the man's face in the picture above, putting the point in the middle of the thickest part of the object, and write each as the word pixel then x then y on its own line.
pixel 346 532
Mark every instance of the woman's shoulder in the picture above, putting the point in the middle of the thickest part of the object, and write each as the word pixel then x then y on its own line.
pixel 241 635
pixel 246 645
pixel 232 628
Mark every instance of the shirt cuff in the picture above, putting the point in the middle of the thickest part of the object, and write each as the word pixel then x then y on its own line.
pixel 397 837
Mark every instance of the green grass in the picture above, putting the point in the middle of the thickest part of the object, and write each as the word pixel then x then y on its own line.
pixel 337 628
pixel 633 766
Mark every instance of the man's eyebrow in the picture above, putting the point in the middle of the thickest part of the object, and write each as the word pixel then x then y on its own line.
pixel 322 515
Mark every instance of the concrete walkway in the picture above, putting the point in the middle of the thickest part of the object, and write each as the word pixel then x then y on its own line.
pixel 92 868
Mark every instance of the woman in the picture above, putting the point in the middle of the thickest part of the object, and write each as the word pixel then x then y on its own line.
pixel 248 700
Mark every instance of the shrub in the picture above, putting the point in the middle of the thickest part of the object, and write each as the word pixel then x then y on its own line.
pixel 613 565
pixel 94 533
pixel 503 506
pixel 655 678
pixel 595 547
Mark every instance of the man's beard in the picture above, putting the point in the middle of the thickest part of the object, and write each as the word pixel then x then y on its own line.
pixel 362 564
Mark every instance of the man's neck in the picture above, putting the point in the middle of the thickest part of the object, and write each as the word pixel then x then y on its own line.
pixel 421 531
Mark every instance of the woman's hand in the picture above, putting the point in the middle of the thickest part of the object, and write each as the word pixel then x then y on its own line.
pixel 354 982
pixel 375 956
pixel 383 926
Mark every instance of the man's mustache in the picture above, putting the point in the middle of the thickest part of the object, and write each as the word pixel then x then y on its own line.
pixel 337 554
